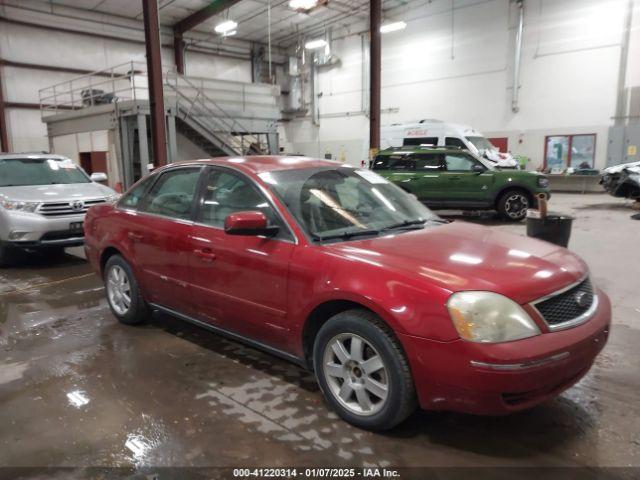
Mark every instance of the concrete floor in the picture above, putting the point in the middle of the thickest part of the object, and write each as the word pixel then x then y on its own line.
pixel 79 389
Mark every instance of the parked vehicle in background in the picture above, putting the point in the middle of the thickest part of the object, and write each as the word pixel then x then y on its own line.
pixel 43 201
pixel 339 270
pixel 436 133
pixel 447 177
pixel 622 180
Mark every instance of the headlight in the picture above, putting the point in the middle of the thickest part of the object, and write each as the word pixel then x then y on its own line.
pixel 112 198
pixel 489 317
pixel 19 206
pixel 543 182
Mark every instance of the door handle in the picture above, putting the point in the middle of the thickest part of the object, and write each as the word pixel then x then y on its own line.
pixel 456 177
pixel 204 254
pixel 135 236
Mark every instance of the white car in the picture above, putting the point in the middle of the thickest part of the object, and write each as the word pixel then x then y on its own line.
pixel 43 201
pixel 439 134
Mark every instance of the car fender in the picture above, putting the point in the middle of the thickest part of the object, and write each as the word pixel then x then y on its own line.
pixel 110 237
pixel 406 303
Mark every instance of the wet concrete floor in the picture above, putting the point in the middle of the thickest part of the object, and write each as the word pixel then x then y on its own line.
pixel 79 389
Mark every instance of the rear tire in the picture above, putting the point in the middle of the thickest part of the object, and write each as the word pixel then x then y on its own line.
pixel 513 205
pixel 363 371
pixel 123 293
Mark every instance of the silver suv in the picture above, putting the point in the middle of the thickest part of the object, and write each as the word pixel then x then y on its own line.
pixel 43 201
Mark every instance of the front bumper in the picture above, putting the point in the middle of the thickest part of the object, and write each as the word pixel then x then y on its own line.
pixel 40 231
pixel 497 379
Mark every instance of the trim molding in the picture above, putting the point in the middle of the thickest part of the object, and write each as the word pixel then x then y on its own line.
pixel 233 336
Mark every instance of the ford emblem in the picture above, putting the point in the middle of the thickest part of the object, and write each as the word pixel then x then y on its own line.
pixel 582 299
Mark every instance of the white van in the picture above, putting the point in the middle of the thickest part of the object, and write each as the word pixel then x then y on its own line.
pixel 439 133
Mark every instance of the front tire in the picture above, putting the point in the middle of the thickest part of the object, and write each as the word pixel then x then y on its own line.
pixel 123 293
pixel 513 205
pixel 6 253
pixel 363 371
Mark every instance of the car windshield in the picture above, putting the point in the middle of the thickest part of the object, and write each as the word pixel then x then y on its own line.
pixel 19 172
pixel 481 143
pixel 338 203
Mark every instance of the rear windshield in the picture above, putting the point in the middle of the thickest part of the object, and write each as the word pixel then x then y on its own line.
pixel 19 172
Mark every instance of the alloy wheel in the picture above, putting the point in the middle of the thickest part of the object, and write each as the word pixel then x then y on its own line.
pixel 516 205
pixel 119 290
pixel 356 374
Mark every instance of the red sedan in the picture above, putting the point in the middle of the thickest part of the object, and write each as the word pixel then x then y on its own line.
pixel 338 270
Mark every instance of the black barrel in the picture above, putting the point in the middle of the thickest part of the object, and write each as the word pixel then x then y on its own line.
pixel 555 228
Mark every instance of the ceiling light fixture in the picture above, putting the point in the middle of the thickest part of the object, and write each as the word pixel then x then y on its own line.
pixel 313 44
pixel 303 5
pixel 226 28
pixel 392 27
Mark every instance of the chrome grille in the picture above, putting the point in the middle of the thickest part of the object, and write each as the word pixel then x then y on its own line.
pixel 74 207
pixel 568 307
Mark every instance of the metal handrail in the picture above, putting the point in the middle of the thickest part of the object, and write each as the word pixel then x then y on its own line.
pixel 123 82
pixel 219 120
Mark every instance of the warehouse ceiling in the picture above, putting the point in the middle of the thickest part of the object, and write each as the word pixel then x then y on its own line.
pixel 287 25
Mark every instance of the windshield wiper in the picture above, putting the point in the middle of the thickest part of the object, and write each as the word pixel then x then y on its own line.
pixel 414 224
pixel 345 235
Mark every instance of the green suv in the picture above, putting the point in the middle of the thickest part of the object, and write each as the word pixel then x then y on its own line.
pixel 446 177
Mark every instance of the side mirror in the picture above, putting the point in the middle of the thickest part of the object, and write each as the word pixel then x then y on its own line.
pixel 477 168
pixel 248 223
pixel 98 177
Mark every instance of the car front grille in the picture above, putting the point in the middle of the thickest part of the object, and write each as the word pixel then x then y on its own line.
pixel 61 209
pixel 568 307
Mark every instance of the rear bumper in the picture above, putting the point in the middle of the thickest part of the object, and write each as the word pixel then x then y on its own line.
pixel 497 379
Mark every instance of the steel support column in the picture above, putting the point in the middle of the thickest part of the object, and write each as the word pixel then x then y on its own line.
pixel 154 73
pixel 4 131
pixel 143 144
pixel 171 139
pixel 375 17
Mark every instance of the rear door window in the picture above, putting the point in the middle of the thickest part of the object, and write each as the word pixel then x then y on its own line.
pixel 173 194
pixel 132 199
pixel 458 163
pixel 429 161
pixel 395 162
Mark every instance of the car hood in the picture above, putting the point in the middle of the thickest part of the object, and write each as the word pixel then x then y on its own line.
pixel 463 256
pixel 56 192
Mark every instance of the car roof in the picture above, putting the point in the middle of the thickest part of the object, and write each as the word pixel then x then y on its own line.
pixel 6 156
pixel 264 163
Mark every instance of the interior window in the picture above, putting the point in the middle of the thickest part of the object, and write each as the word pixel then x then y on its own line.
pixel 172 195
pixel 131 199
pixel 454 142
pixel 227 193
pixel 429 162
pixel 420 141
pixel 458 163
